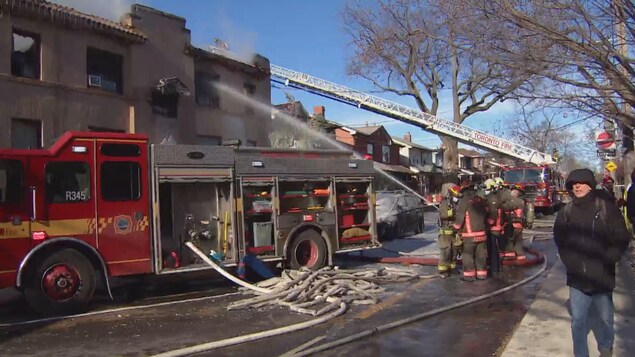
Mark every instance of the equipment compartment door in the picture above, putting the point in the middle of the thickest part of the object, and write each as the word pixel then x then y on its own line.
pixel 123 206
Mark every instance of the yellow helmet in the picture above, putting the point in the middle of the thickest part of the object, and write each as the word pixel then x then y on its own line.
pixel 490 184
pixel 499 181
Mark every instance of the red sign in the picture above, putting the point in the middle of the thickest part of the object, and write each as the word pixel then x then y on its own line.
pixel 605 141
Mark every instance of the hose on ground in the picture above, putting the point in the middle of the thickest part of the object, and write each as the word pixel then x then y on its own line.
pixel 417 317
pixel 222 271
pixel 536 259
pixel 254 336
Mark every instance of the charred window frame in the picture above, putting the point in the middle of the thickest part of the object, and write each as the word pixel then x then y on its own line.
pixel 104 70
pixel 166 105
pixel 120 181
pixel 11 181
pixel 25 54
pixel 67 182
pixel 250 91
pixel 206 93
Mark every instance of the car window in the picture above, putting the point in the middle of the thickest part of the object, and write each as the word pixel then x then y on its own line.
pixel 402 202
pixel 413 202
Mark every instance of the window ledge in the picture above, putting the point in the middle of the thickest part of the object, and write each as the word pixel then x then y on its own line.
pixel 78 89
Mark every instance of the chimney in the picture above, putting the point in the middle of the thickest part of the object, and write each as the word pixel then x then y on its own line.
pixel 407 137
pixel 319 110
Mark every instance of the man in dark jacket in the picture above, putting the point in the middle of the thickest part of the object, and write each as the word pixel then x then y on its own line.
pixel 591 237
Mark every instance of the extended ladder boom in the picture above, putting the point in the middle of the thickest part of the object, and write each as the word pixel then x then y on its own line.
pixel 408 115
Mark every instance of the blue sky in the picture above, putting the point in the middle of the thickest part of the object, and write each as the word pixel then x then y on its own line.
pixel 306 36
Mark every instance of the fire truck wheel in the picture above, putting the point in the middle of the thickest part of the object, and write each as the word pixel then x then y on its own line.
pixel 307 250
pixel 61 282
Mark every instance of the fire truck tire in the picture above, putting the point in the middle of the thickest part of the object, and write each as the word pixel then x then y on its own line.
pixel 307 250
pixel 61 282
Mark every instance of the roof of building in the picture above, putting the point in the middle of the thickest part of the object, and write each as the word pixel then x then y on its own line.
pixel 260 65
pixel 470 153
pixel 69 17
pixel 368 130
pixel 411 144
pixel 296 109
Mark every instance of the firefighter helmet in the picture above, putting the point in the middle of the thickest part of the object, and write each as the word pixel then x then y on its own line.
pixel 499 181
pixel 489 184
pixel 454 191
pixel 519 188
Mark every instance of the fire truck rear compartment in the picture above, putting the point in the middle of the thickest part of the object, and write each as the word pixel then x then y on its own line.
pixel 199 212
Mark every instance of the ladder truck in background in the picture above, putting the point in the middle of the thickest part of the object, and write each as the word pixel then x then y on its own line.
pixel 428 122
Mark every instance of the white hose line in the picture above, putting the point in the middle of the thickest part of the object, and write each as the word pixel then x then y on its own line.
pixel 303 346
pixel 118 309
pixel 254 336
pixel 421 316
pixel 223 272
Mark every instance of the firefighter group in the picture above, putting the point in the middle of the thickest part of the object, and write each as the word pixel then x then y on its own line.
pixel 482 225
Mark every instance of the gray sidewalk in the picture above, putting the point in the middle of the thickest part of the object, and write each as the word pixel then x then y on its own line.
pixel 545 329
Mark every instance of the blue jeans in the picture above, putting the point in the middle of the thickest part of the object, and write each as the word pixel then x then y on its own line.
pixel 580 304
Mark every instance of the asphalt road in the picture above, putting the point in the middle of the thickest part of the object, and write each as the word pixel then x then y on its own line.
pixel 481 329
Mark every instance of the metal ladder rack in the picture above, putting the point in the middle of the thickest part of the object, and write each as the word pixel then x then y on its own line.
pixel 407 115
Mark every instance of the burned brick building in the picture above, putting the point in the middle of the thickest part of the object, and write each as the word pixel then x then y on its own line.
pixel 61 69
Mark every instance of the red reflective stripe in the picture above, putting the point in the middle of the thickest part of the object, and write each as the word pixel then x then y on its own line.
pixel 481 272
pixel 469 273
pixel 473 234
pixel 499 218
pixel 496 229
pixel 456 226
pixel 518 212
pixel 517 225
pixel 468 223
pixel 490 221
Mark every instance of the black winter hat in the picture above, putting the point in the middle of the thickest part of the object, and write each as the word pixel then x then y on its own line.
pixel 581 176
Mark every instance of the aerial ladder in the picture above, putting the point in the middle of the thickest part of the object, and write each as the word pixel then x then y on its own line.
pixel 428 122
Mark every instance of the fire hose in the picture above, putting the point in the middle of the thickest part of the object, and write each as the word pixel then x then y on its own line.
pixel 305 291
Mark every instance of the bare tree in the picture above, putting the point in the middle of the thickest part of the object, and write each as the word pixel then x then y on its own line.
pixel 582 50
pixel 413 48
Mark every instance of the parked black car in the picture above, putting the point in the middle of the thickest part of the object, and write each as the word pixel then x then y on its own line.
pixel 398 213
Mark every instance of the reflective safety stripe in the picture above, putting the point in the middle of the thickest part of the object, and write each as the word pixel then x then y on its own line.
pixel 453 265
pixel 469 273
pixel 521 257
pixel 442 268
pixel 517 225
pixel 473 234
pixel 481 272
pixel 447 232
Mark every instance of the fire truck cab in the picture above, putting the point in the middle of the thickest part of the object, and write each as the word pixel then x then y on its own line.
pixel 543 184
pixel 102 205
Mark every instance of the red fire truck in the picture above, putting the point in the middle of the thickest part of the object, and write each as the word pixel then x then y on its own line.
pixel 543 184
pixel 102 205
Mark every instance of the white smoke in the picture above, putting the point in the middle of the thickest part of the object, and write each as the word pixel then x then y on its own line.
pixel 109 9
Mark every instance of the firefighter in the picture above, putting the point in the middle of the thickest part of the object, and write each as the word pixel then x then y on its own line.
pixel 470 222
pixel 505 195
pixel 447 234
pixel 495 224
pixel 516 210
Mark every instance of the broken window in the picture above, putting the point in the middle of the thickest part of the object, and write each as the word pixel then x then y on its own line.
pixel 67 182
pixel 25 57
pixel 11 176
pixel 104 70
pixel 206 93
pixel 26 134
pixel 165 104
pixel 120 181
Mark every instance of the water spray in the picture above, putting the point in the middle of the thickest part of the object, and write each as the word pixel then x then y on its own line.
pixel 308 130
